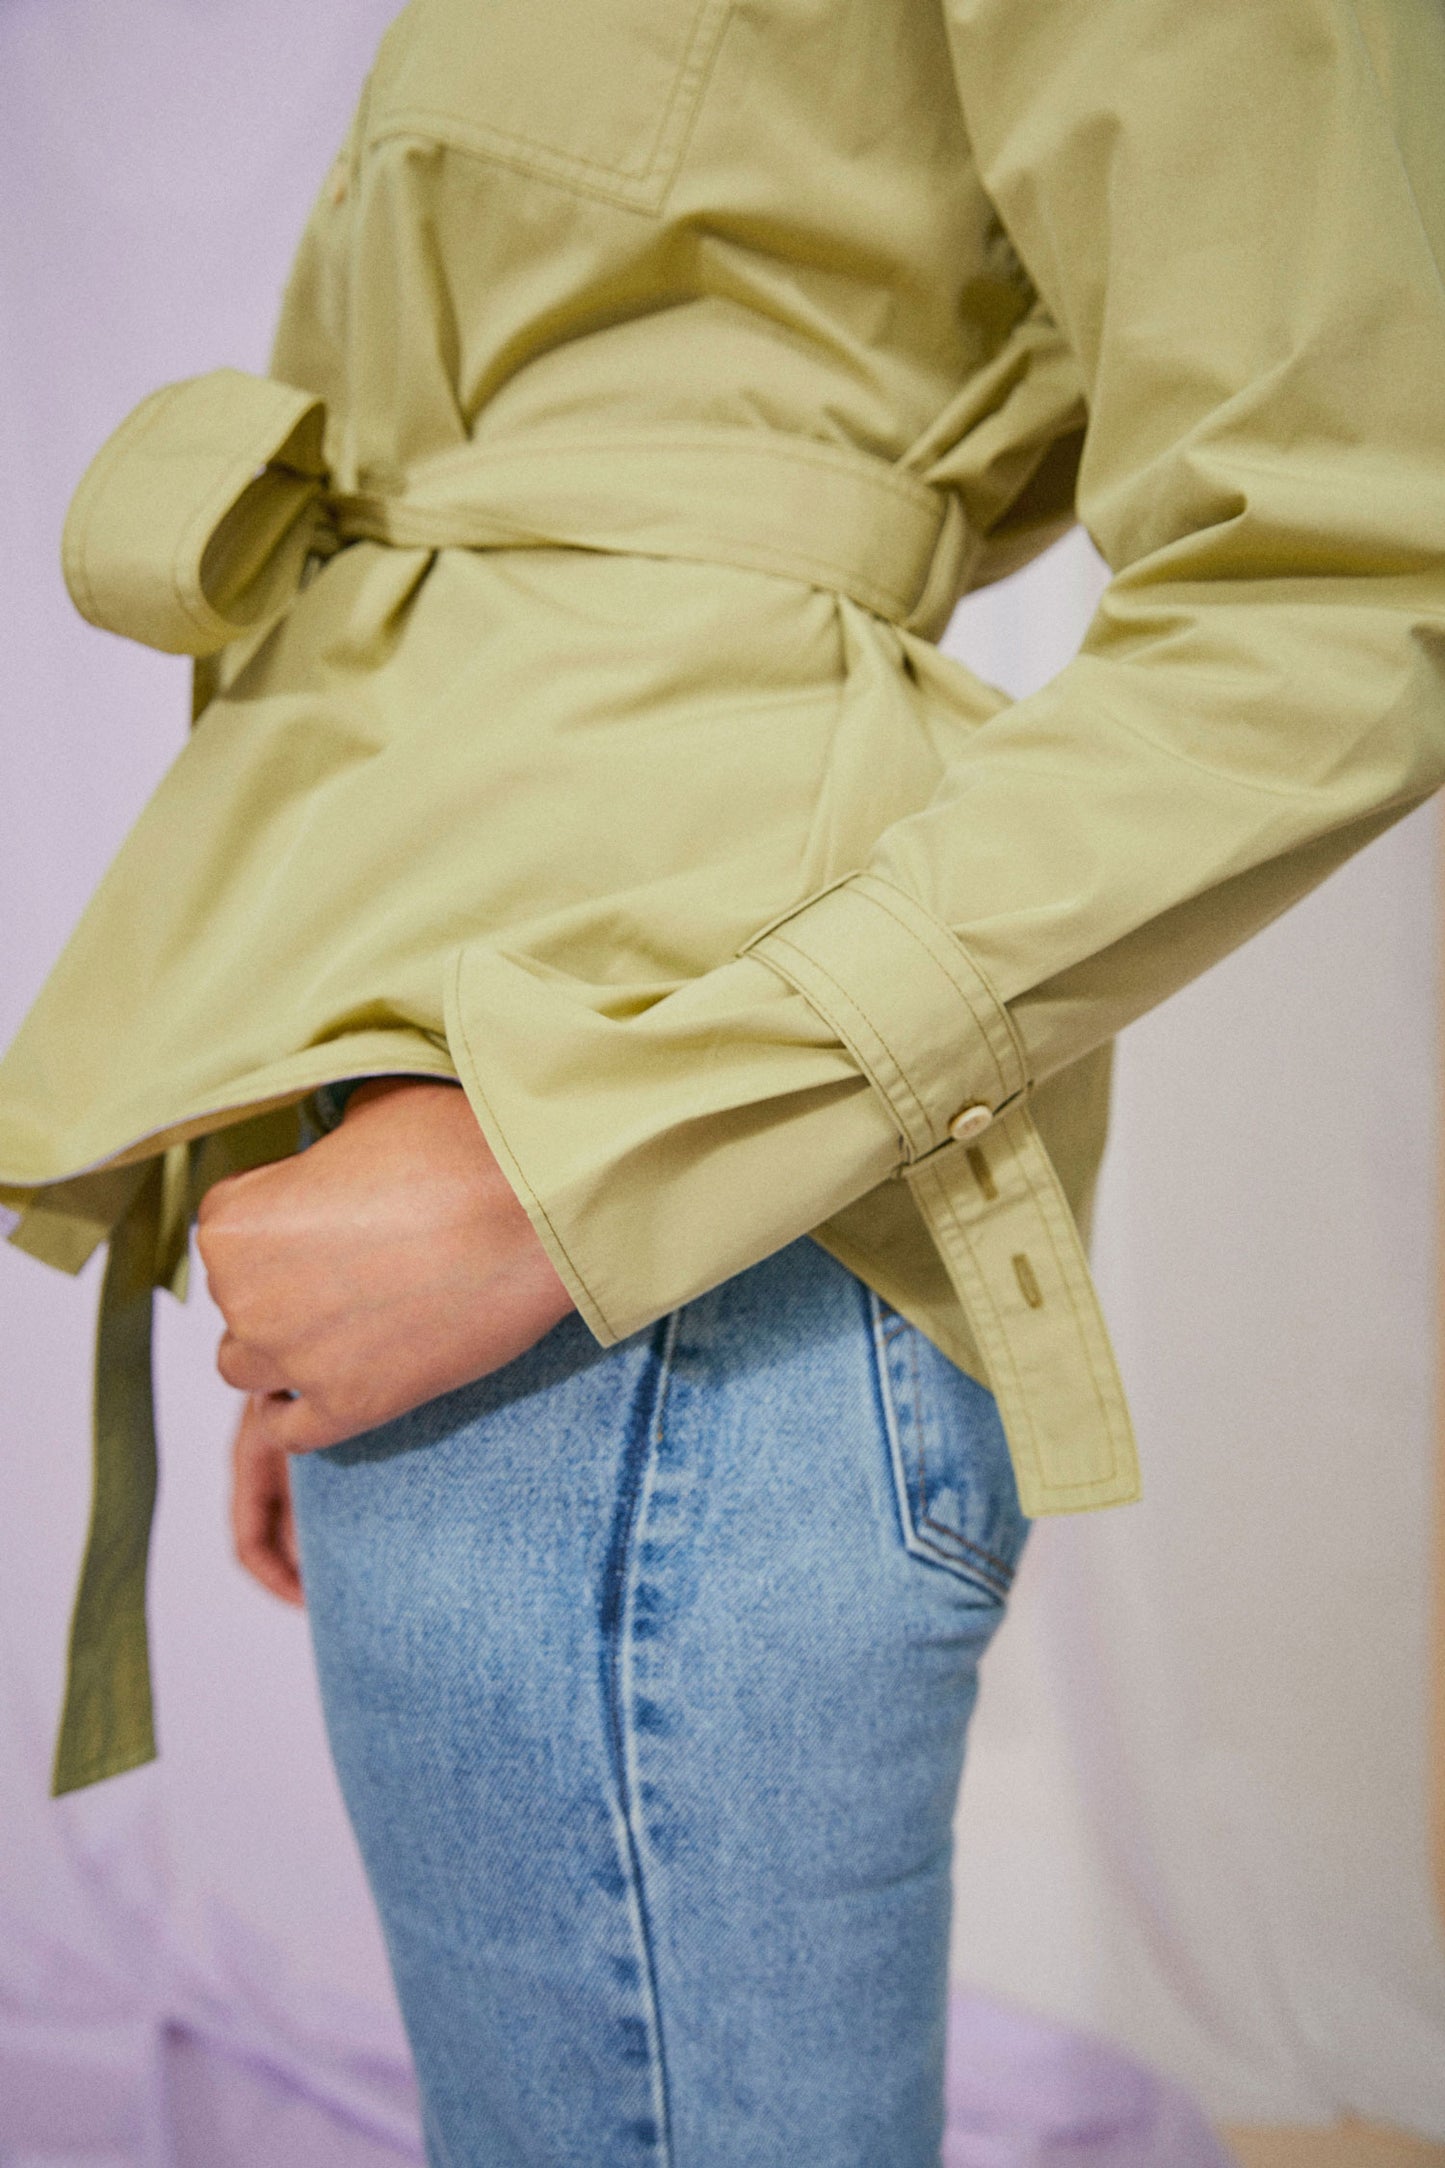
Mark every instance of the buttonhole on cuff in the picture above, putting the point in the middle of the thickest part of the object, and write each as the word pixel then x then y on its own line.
pixel 982 1173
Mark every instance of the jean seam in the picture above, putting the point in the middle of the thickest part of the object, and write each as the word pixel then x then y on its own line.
pixel 618 1624
pixel 920 1516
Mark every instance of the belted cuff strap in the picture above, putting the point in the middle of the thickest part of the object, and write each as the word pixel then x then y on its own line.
pixel 918 1015
pixel 925 1027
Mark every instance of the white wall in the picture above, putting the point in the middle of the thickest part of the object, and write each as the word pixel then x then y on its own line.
pixel 1196 1814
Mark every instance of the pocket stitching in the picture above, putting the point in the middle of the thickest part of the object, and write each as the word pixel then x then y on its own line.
pixel 641 186
pixel 1003 1573
pixel 980 1569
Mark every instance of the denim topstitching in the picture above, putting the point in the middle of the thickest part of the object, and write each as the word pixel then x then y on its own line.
pixel 643 1430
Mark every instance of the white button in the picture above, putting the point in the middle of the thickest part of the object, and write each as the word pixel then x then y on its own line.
pixel 971 1123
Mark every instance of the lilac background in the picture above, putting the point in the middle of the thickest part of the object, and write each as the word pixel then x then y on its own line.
pixel 1194 1817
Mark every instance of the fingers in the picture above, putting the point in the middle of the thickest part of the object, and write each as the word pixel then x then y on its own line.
pixel 287 1422
pixel 263 1525
pixel 248 1368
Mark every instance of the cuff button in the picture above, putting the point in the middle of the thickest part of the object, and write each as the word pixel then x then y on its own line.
pixel 971 1122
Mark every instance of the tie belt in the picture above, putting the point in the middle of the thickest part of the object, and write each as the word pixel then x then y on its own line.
pixel 194 525
pixel 194 522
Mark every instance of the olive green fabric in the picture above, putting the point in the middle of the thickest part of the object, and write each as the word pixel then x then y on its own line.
pixel 651 379
pixel 192 523
pixel 107 1724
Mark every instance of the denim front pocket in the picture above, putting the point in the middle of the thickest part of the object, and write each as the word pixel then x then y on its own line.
pixel 958 1502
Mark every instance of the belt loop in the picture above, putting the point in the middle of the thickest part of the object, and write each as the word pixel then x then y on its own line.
pixel 948 569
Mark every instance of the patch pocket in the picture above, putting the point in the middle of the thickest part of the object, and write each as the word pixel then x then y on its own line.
pixel 598 97
pixel 958 1502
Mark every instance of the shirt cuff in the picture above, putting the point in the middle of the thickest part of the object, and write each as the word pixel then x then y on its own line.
pixel 662 1139
pixel 914 1010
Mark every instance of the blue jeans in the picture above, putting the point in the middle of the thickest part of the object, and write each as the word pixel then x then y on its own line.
pixel 647 1673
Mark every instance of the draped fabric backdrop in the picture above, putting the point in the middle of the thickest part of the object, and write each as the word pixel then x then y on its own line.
pixel 1194 1823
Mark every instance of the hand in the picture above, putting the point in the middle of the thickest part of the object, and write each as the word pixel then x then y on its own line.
pixel 387 1264
pixel 261 1518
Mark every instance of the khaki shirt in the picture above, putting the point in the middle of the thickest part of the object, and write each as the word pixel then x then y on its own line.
pixel 653 377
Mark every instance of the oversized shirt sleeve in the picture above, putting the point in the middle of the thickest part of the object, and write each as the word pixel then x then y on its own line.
pixel 1235 214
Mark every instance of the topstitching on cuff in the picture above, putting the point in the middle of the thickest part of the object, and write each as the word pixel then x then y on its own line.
pixel 925 1026
pixel 909 1003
